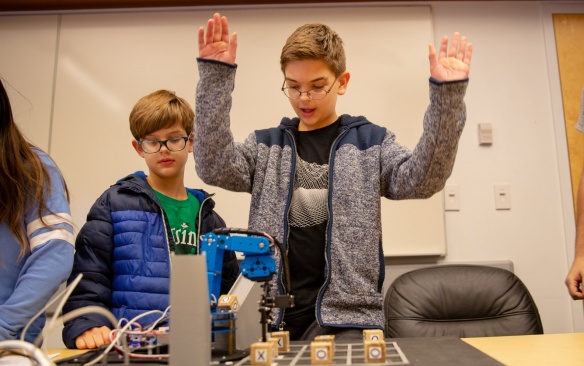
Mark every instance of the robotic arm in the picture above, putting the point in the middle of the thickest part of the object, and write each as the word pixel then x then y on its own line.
pixel 258 264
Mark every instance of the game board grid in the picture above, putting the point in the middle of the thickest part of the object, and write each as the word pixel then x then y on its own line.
pixel 345 354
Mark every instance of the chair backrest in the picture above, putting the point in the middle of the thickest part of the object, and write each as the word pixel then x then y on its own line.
pixel 461 301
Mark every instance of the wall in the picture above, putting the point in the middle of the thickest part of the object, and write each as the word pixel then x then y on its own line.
pixel 511 87
pixel 105 61
pixel 515 86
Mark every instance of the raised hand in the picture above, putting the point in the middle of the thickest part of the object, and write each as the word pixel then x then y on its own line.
pixel 216 44
pixel 452 66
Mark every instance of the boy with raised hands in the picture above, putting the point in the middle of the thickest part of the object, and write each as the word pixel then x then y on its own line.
pixel 316 179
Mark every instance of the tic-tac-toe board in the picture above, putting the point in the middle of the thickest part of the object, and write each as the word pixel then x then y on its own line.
pixel 344 354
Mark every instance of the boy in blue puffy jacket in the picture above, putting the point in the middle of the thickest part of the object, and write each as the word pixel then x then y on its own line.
pixel 124 248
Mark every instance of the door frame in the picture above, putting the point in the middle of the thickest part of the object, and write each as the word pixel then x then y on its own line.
pixel 561 141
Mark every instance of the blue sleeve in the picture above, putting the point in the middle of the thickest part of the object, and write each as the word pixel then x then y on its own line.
pixel 46 266
pixel 93 258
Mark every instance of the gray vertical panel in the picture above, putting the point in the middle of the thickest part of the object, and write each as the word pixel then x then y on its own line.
pixel 190 316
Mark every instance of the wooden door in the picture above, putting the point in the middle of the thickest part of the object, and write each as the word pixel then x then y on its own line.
pixel 569 36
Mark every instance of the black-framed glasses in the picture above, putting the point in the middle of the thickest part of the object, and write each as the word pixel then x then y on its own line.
pixel 173 144
pixel 313 94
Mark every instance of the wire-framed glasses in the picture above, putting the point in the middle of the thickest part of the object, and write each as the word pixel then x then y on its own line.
pixel 314 94
pixel 173 144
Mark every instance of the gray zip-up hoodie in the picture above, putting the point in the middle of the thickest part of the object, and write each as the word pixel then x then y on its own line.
pixel 366 163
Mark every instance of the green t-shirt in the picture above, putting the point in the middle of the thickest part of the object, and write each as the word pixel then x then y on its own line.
pixel 182 215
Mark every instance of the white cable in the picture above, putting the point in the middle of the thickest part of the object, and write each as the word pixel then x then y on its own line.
pixel 64 297
pixel 213 300
pixel 120 333
pixel 29 349
pixel 25 329
pixel 59 308
pixel 38 353
pixel 155 323
pixel 87 310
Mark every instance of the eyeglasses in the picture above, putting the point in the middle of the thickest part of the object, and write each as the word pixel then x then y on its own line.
pixel 153 146
pixel 313 94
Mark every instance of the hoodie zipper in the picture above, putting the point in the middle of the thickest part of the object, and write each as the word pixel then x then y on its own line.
pixel 279 321
pixel 327 244
pixel 163 214
pixel 200 223
pixel 328 229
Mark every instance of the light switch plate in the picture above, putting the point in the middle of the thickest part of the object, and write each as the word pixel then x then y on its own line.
pixel 502 197
pixel 451 198
pixel 485 133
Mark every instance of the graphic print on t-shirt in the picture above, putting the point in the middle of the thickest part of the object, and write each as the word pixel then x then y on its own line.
pixel 309 201
pixel 181 216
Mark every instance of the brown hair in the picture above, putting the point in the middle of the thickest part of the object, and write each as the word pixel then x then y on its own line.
pixel 158 110
pixel 316 42
pixel 24 180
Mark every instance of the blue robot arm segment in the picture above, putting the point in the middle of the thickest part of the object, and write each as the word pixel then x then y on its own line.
pixel 258 263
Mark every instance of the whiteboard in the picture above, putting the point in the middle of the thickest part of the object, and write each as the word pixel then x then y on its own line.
pixel 97 65
pixel 27 66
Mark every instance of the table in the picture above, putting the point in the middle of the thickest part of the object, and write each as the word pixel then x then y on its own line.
pixel 531 350
pixel 62 353
pixel 545 349
pixel 436 351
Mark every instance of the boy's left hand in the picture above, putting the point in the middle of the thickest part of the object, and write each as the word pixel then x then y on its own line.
pixel 452 66
pixel 216 44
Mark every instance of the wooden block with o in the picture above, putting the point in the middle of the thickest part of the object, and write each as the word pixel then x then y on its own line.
pixel 228 303
pixel 373 335
pixel 374 351
pixel 321 352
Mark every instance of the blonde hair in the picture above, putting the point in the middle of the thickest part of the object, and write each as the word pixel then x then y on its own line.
pixel 158 110
pixel 315 42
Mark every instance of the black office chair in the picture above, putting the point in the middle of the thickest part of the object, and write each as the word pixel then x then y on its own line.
pixel 460 301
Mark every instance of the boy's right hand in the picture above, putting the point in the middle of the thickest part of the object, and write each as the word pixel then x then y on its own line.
pixel 216 44
pixel 93 338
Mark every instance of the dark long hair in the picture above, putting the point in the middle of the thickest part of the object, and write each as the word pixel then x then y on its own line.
pixel 24 180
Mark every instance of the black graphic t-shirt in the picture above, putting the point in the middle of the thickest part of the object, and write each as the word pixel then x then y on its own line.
pixel 308 218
